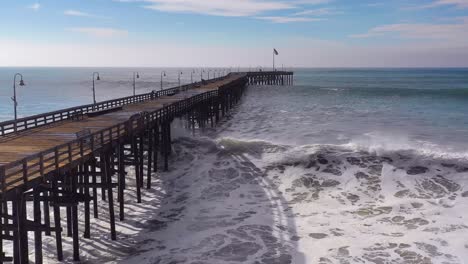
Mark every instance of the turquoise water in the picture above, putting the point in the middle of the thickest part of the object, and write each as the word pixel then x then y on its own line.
pixel 371 108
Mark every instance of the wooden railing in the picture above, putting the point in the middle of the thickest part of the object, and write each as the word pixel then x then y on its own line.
pixel 260 73
pixel 22 124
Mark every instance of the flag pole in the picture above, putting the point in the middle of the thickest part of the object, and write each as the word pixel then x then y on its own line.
pixel 273 59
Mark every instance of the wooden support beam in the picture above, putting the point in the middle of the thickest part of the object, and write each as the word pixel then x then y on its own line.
pixel 108 178
pixel 16 224
pixel 86 176
pixel 150 154
pixel 121 159
pixel 141 159
pixel 137 168
pixel 74 215
pixel 155 148
pixel 2 254
pixel 37 233
pixel 94 178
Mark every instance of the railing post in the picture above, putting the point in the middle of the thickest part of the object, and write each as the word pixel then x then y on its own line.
pixel 25 171
pixel 70 154
pixel 3 178
pixel 41 164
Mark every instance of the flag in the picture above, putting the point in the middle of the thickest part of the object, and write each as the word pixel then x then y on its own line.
pixel 275 52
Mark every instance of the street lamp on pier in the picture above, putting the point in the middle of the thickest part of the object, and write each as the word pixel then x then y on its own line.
pixel 180 73
pixel 163 73
pixel 15 101
pixel 137 76
pixel 94 87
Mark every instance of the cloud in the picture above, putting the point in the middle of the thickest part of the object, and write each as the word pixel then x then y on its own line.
pixel 237 8
pixel 312 2
pixel 318 12
pixel 100 32
pixel 454 32
pixel 77 13
pixel 438 3
pixel 288 19
pixel 34 6
pixel 218 7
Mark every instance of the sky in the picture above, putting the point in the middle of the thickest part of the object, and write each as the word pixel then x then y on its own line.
pixel 230 33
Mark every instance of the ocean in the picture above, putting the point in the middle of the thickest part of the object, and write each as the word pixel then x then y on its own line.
pixel 345 166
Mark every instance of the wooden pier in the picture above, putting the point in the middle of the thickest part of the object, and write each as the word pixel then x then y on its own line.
pixel 75 156
pixel 271 78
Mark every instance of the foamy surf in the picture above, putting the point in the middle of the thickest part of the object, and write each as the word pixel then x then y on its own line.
pixel 254 202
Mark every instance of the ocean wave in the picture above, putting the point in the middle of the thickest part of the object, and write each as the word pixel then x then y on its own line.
pixel 408 154
pixel 458 93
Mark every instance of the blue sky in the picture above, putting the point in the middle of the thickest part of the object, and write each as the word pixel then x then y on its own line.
pixel 315 33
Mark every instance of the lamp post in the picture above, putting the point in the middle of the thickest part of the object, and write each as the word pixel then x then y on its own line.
pixel 134 83
pixel 15 102
pixel 191 76
pixel 163 73
pixel 94 88
pixel 201 75
pixel 180 73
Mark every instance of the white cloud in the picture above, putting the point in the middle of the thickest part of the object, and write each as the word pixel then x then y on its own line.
pixel 454 32
pixel 457 3
pixel 318 12
pixel 35 6
pixel 100 32
pixel 218 7
pixel 237 8
pixel 77 13
pixel 312 2
pixel 288 19
pixel 439 3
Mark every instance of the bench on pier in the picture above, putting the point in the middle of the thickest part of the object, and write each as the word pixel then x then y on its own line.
pixel 104 111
